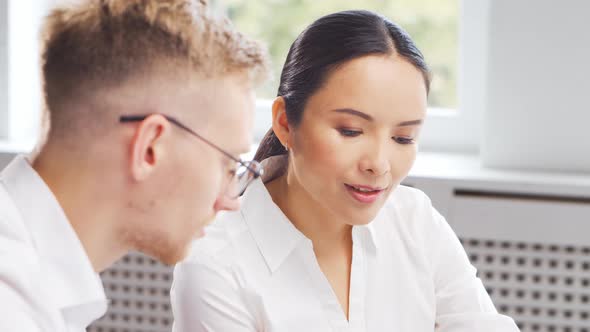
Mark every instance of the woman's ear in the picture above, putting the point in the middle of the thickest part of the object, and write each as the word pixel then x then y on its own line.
pixel 280 125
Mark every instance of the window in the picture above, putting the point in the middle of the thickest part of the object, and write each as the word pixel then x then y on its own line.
pixel 431 23
pixel 446 31
pixel 20 87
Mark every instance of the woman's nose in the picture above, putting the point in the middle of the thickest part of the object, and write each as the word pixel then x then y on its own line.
pixel 376 161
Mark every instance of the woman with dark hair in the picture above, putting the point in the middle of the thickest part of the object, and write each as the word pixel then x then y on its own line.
pixel 328 239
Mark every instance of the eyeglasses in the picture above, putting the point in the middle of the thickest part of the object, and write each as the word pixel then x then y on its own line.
pixel 243 174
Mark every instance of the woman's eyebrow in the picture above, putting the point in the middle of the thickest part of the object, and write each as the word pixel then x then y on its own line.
pixel 367 117
pixel 355 113
pixel 410 123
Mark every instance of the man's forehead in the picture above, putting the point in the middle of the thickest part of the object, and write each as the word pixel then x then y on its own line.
pixel 234 135
pixel 230 121
pixel 220 109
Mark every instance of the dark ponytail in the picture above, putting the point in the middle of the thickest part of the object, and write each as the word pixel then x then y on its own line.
pixel 328 42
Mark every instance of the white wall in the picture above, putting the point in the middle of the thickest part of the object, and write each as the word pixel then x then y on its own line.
pixel 538 111
pixel 3 69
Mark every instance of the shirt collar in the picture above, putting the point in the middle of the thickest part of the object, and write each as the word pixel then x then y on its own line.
pixel 71 278
pixel 275 235
pixel 373 239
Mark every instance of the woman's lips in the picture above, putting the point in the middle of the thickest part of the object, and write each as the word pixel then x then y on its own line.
pixel 364 194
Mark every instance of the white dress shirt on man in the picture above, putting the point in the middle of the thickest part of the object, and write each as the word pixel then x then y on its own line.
pixel 47 282
pixel 254 271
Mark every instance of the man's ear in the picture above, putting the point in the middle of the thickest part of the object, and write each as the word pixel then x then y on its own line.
pixel 146 146
pixel 280 125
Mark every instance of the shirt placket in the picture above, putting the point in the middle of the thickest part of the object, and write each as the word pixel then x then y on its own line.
pixel 326 295
pixel 356 301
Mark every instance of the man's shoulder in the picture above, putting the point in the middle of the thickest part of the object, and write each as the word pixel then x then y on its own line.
pixel 18 257
pixel 12 228
pixel 20 269
pixel 23 305
pixel 17 251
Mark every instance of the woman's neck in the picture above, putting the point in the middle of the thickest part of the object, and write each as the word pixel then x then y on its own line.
pixel 308 215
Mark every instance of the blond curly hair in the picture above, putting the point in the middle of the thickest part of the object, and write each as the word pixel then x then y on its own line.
pixel 95 44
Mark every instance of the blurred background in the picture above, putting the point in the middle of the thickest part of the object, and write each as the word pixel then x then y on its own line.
pixel 505 152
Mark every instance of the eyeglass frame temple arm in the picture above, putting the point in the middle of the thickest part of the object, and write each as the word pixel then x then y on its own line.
pixel 135 118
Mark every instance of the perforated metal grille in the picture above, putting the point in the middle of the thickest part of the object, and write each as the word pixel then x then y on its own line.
pixel 543 287
pixel 138 288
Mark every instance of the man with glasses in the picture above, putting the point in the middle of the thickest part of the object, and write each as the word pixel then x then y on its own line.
pixel 149 104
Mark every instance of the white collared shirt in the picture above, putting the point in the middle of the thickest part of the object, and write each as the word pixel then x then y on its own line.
pixel 254 271
pixel 47 282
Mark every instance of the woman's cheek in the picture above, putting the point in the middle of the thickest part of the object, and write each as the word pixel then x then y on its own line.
pixel 403 165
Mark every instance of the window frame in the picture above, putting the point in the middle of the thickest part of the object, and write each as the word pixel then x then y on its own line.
pixel 460 130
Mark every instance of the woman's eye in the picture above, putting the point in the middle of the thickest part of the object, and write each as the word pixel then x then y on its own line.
pixel 403 140
pixel 349 132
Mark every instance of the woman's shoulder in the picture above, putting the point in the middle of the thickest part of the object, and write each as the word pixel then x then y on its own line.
pixel 408 201
pixel 409 210
pixel 409 222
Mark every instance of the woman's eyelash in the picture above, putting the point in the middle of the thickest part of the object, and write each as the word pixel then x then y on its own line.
pixel 354 133
pixel 403 140
pixel 349 132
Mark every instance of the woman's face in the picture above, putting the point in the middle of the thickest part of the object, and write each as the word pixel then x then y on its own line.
pixel 358 136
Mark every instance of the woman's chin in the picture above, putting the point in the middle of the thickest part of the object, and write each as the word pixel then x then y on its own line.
pixel 358 217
